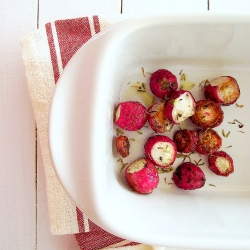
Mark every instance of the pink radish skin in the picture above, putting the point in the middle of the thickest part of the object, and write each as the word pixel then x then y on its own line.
pixel 161 150
pixel 163 83
pixel 188 176
pixel 180 106
pixel 142 176
pixel 130 115
pixel 223 90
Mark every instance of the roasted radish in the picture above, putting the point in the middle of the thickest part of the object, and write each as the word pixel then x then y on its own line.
pixel 130 115
pixel 163 83
pixel 208 141
pixel 223 90
pixel 141 175
pixel 161 150
pixel 157 119
pixel 221 163
pixel 122 145
pixel 180 106
pixel 188 176
pixel 185 140
pixel 208 114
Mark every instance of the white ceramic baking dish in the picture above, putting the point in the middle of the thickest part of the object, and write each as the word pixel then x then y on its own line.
pixel 81 130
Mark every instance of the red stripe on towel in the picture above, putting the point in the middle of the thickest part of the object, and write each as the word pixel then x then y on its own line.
pixel 80 220
pixel 96 239
pixel 52 51
pixel 96 24
pixel 72 34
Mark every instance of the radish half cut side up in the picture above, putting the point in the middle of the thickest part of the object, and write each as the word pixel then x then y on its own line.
pixel 208 114
pixel 221 163
pixel 186 140
pixel 180 106
pixel 142 176
pixel 209 141
pixel 161 150
pixel 223 90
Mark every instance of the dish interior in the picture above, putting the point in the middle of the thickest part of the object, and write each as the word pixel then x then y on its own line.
pixel 201 52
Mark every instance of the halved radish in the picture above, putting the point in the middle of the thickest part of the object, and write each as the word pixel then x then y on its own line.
pixel 157 119
pixel 221 163
pixel 161 150
pixel 209 141
pixel 180 106
pixel 185 140
pixel 130 115
pixel 223 90
pixel 208 114
pixel 142 176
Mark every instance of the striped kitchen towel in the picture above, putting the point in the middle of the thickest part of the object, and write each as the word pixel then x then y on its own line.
pixel 45 54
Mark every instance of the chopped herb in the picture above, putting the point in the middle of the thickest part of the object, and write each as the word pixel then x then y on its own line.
pixel 139 132
pixel 239 106
pixel 131 139
pixel 164 170
pixel 225 134
pixel 203 84
pixel 228 146
pixel 212 185
pixel 184 156
pixel 119 132
pixel 143 72
pixel 181 72
pixel 241 131
pixel 240 125
pixel 199 163
pixel 183 77
pixel 123 165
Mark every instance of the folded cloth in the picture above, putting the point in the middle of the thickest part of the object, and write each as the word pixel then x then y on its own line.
pixel 45 54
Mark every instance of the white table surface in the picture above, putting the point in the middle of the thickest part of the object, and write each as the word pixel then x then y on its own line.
pixel 23 207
